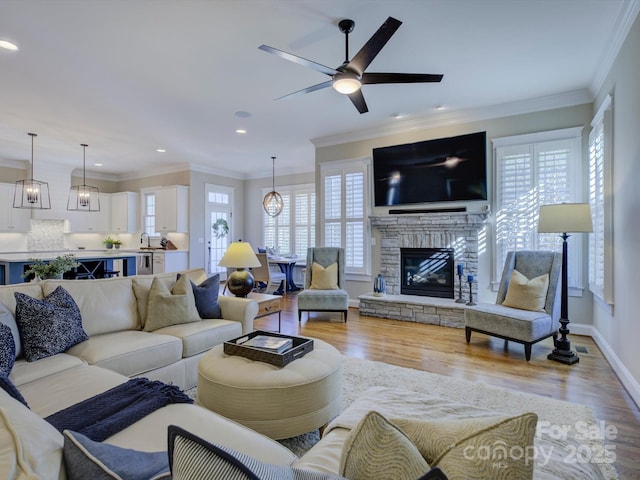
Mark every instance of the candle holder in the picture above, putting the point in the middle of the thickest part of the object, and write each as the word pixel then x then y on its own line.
pixel 459 300
pixel 471 302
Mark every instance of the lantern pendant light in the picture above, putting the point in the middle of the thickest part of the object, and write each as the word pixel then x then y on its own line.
pixel 272 202
pixel 84 198
pixel 32 193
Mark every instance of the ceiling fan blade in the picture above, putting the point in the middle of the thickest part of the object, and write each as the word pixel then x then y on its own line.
pixel 313 88
pixel 299 60
pixel 357 98
pixel 368 52
pixel 372 78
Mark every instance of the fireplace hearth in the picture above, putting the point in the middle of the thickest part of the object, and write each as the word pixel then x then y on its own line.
pixel 427 271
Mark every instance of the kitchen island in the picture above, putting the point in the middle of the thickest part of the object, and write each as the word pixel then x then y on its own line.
pixel 93 263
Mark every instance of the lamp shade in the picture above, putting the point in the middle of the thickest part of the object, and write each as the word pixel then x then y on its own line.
pixel 239 255
pixel 565 217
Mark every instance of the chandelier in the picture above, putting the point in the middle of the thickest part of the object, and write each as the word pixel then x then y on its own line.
pixel 84 198
pixel 32 193
pixel 272 202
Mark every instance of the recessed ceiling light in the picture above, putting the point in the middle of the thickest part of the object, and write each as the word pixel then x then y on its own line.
pixel 8 45
pixel 97 164
pixel 160 150
pixel 241 131
pixel 440 107
pixel 242 114
pixel 397 116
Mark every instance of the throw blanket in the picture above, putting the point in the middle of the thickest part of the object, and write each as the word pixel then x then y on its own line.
pixel 109 412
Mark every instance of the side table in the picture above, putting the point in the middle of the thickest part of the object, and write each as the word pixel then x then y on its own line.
pixel 268 305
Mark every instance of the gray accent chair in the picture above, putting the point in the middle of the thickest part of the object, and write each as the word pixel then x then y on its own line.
pixel 324 300
pixel 521 326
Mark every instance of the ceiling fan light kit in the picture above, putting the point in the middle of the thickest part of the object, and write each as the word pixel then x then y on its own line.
pixel 350 76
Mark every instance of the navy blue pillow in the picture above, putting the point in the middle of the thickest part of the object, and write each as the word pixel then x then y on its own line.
pixel 206 295
pixel 7 349
pixel 7 385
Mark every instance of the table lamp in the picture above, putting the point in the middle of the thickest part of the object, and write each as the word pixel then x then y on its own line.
pixel 563 218
pixel 240 255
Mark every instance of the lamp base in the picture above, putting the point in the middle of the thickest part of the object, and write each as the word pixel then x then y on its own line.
pixel 563 356
pixel 240 283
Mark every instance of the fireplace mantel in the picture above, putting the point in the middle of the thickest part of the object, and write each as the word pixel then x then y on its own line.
pixel 455 230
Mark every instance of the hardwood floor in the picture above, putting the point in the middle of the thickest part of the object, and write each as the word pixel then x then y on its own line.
pixel 443 350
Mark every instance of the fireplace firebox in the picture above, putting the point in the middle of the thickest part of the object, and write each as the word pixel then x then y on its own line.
pixel 427 271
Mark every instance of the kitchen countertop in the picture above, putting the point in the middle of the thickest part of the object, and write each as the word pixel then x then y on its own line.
pixel 79 254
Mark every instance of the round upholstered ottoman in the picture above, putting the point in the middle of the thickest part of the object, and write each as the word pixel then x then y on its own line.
pixel 278 402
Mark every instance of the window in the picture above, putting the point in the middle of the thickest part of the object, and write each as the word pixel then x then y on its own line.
pixel 150 214
pixel 346 210
pixel 293 231
pixel 600 159
pixel 533 170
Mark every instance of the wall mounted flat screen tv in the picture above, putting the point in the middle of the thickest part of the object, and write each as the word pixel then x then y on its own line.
pixel 441 170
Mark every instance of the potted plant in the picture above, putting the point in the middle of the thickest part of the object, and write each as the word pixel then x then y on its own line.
pixel 108 242
pixel 53 268
pixel 117 243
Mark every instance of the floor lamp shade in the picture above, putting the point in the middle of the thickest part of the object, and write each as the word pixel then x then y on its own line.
pixel 562 218
pixel 241 256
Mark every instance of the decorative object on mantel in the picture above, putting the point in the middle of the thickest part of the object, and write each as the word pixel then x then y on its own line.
pixel 460 268
pixel 563 218
pixel 32 193
pixel 272 202
pixel 52 269
pixel 240 255
pixel 83 198
pixel 379 286
pixel 470 280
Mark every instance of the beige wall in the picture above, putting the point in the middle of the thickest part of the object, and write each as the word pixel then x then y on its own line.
pixel 166 179
pixel 104 186
pixel 619 327
pixel 12 175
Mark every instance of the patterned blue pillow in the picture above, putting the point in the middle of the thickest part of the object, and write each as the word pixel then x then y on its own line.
pixel 48 326
pixel 192 458
pixel 84 459
pixel 7 349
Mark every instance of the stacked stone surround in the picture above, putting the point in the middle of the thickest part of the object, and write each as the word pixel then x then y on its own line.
pixel 458 231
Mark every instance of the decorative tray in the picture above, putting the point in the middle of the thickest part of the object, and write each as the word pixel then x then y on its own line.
pixel 301 346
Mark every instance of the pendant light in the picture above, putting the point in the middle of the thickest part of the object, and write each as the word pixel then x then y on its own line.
pixel 32 193
pixel 272 202
pixel 84 198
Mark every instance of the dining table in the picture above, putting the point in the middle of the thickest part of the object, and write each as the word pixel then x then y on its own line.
pixel 286 265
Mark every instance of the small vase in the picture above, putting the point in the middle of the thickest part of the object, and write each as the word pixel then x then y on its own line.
pixel 116 246
pixel 379 286
pixel 109 246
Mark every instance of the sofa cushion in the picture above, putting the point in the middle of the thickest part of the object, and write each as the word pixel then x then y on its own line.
pixel 24 372
pixel 85 459
pixel 50 325
pixel 527 294
pixel 511 322
pixel 192 458
pixel 7 318
pixel 170 307
pixel 201 336
pixel 7 349
pixel 8 298
pixel 206 295
pixel 324 278
pixel 376 450
pixel 107 305
pixel 29 446
pixel 129 352
pixel 7 385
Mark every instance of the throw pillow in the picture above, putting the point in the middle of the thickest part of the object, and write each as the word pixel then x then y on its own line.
pixel 527 294
pixel 206 296
pixel 192 458
pixel 324 278
pixel 376 450
pixel 170 307
pixel 7 385
pixel 9 320
pixel 476 448
pixel 48 326
pixel 7 349
pixel 84 458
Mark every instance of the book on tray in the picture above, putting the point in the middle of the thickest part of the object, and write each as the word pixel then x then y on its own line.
pixel 271 344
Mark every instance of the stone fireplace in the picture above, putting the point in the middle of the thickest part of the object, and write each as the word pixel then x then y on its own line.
pixel 454 231
pixel 427 271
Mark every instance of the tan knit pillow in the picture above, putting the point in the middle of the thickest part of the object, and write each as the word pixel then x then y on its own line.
pixel 527 294
pixel 324 278
pixel 376 449
pixel 170 307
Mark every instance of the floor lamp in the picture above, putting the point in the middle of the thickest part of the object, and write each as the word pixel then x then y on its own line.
pixel 563 218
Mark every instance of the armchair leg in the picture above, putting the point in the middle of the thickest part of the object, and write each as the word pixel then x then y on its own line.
pixel 345 315
pixel 299 316
pixel 527 351
pixel 467 333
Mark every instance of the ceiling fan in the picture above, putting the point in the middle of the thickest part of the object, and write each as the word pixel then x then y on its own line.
pixel 350 76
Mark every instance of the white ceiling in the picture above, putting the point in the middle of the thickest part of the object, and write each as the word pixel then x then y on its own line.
pixel 128 77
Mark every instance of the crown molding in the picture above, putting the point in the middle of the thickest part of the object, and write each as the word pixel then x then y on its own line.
pixel 164 170
pixel 538 104
pixel 19 164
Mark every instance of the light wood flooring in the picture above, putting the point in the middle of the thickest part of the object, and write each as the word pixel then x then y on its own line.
pixel 443 350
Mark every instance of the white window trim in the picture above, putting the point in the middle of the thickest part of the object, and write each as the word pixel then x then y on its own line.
pixel 143 208
pixel 362 163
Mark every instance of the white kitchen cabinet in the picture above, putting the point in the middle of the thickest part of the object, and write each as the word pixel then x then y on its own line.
pixel 89 222
pixel 170 261
pixel 12 219
pixel 124 212
pixel 172 209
